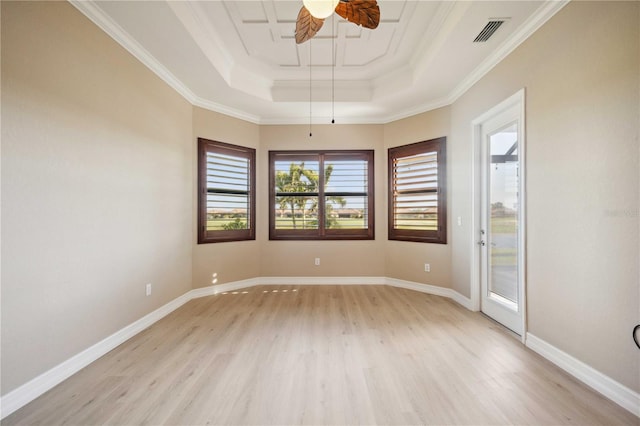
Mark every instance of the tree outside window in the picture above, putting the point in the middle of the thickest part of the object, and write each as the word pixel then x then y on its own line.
pixel 321 195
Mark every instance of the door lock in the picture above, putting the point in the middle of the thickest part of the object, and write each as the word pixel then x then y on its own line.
pixel 481 242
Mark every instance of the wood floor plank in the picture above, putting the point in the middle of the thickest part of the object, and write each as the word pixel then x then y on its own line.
pixel 284 355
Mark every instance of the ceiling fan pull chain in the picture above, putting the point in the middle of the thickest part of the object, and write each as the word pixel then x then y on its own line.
pixel 310 99
pixel 333 70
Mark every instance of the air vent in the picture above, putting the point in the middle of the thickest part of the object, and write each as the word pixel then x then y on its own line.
pixel 488 30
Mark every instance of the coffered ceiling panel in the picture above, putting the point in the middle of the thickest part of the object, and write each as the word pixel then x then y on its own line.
pixel 240 57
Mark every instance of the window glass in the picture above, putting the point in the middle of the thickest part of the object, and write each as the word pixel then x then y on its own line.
pixel 321 195
pixel 417 192
pixel 226 199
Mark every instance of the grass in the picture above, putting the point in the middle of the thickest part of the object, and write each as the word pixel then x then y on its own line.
pixel 504 225
pixel 504 256
pixel 499 225
pixel 287 223
pixel 217 224
pixel 346 223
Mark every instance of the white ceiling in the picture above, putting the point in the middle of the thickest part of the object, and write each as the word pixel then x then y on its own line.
pixel 240 57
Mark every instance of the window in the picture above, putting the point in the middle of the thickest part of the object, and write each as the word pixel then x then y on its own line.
pixel 417 192
pixel 226 195
pixel 326 195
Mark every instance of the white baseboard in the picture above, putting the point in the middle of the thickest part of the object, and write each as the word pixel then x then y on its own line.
pixel 608 387
pixel 423 288
pixel 431 289
pixel 463 300
pixel 47 380
pixel 26 393
pixel 322 280
pixel 232 286
pixel 393 282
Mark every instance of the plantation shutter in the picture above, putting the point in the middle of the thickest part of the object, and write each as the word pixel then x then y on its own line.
pixel 228 178
pixel 347 192
pixel 318 195
pixel 226 196
pixel 416 191
pixel 417 199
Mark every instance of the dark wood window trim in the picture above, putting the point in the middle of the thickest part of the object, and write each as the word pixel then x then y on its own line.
pixel 323 232
pixel 205 236
pixel 396 232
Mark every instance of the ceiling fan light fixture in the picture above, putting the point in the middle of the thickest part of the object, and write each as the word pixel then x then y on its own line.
pixel 320 9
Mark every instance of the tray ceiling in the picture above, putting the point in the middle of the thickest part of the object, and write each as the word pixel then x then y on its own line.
pixel 240 57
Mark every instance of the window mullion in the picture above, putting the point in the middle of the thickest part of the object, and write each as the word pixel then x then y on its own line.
pixel 324 227
pixel 321 203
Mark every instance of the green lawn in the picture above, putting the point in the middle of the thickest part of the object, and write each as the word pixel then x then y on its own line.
pixel 287 223
pixel 504 256
pixel 217 224
pixel 504 225
pixel 424 224
pixel 499 225
pixel 346 223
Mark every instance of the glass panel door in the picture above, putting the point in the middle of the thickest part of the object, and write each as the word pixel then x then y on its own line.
pixel 503 216
pixel 501 232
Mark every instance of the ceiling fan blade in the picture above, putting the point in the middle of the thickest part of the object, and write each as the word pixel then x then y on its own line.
pixel 360 12
pixel 307 25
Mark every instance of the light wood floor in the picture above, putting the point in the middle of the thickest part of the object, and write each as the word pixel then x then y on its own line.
pixel 322 355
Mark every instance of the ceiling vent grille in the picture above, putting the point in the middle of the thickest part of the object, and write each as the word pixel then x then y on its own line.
pixel 488 30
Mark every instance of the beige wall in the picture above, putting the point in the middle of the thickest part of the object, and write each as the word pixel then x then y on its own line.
pixel 96 188
pixel 405 260
pixel 337 258
pixel 581 72
pixel 231 261
pixel 98 155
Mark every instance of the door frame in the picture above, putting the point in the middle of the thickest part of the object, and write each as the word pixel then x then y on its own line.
pixel 517 99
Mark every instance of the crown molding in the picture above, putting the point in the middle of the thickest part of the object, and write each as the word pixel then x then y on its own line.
pixel 196 24
pixel 542 15
pixel 319 120
pixel 426 107
pixel 104 22
pixel 445 21
pixel 222 109
pixel 124 39
pixel 530 26
pixel 89 9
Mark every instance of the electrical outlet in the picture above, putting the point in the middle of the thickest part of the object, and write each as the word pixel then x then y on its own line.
pixel 427 267
pixel 148 288
pixel 317 261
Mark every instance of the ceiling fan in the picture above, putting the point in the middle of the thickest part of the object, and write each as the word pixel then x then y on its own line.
pixel 313 12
